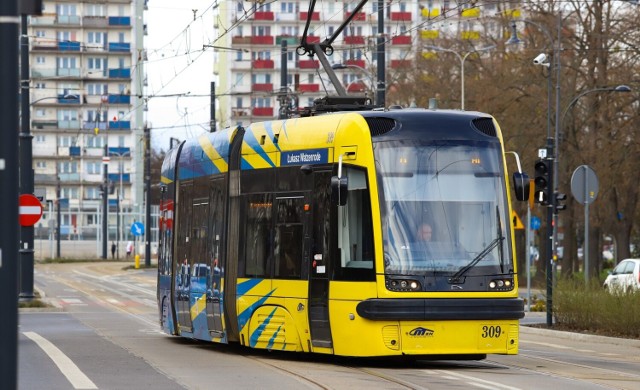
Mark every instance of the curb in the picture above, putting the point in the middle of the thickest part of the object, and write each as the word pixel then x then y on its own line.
pixel 524 329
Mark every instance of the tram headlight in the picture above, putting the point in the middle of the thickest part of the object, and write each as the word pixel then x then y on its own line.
pixel 408 285
pixel 501 284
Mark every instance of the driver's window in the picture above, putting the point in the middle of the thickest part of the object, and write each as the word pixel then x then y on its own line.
pixel 355 233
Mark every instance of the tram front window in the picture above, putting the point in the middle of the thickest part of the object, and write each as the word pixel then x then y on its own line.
pixel 444 209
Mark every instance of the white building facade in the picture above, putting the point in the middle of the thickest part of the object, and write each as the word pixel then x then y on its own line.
pixel 86 88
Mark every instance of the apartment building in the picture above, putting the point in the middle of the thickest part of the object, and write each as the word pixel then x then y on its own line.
pixel 248 50
pixel 86 76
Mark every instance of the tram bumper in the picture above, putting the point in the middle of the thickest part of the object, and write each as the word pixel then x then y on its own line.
pixel 446 326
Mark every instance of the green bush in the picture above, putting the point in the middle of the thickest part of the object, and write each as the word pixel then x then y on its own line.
pixel 589 307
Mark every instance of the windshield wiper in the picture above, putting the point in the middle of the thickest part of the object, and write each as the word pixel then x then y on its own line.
pixel 456 277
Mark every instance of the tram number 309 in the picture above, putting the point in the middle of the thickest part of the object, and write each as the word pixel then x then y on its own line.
pixel 492 332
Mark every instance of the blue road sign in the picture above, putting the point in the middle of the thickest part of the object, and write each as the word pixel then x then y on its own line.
pixel 137 229
pixel 535 223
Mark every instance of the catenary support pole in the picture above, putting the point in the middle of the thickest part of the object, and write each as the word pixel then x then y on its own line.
pixel 147 179
pixel 381 90
pixel 9 86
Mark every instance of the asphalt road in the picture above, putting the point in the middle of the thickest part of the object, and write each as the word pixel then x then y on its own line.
pixel 106 325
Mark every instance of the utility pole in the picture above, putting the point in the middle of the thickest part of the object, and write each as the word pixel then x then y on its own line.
pixel 105 197
pixel 283 112
pixel 26 165
pixel 9 86
pixel 147 180
pixel 212 124
pixel 381 90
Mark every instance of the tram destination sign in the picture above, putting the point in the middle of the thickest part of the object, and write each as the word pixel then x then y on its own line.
pixel 302 157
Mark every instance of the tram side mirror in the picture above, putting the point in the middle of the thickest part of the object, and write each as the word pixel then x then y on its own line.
pixel 521 185
pixel 339 187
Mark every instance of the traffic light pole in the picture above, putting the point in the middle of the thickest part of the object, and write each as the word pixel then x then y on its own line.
pixel 550 232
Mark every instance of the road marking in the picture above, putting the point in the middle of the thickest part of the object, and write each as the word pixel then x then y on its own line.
pixel 77 378
pixel 477 382
pixel 73 301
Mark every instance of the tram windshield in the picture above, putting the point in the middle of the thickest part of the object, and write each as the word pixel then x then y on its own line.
pixel 443 208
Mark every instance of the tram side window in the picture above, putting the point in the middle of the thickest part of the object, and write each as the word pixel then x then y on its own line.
pixel 257 234
pixel 355 233
pixel 288 240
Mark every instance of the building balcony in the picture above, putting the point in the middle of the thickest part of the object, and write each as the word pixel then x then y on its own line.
pixel 119 21
pixel 263 15
pixel 69 124
pixel 429 34
pixel 308 88
pixel 401 16
pixel 67 177
pixel 119 99
pixel 68 99
pixel 44 124
pixel 313 39
pixel 119 47
pixel 471 13
pixel 354 40
pixel 241 65
pixel 314 16
pixel 95 21
pixel 360 16
pixel 262 40
pixel 403 64
pixel 68 46
pixel 120 73
pixel 238 40
pixel 68 72
pixel 262 111
pixel 263 87
pixel 290 40
pixel 68 19
pixel 263 64
pixel 115 177
pixel 359 63
pixel 119 125
pixel 358 86
pixel 91 125
pixel 430 13
pixel 470 35
pixel 308 64
pixel 401 40
pixel 74 151
pixel 240 112
pixel 119 151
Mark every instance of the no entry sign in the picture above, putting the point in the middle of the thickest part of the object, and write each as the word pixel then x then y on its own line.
pixel 30 210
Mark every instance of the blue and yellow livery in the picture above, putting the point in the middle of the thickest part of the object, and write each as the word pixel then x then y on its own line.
pixel 375 233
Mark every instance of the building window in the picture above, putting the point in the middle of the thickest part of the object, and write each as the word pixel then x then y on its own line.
pixel 69 192
pixel 95 142
pixel 93 167
pixel 97 63
pixel 67 115
pixel 67 140
pixel 41 85
pixel 97 89
pixel 96 38
pixel 94 9
pixel 40 60
pixel 41 164
pixel 40 34
pixel 260 102
pixel 40 138
pixel 68 167
pixel 91 193
pixel 40 112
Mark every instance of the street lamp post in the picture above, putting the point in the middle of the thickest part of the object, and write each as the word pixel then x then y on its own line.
pixel 462 58
pixel 619 88
pixel 361 69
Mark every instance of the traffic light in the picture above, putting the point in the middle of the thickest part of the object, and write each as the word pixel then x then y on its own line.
pixel 560 197
pixel 542 181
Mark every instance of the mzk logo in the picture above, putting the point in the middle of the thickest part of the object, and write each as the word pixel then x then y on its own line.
pixel 420 332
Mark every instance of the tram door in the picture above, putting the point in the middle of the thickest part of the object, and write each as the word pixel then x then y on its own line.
pixel 319 237
pixel 182 270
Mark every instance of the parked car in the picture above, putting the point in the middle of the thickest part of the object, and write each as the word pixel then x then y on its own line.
pixel 625 277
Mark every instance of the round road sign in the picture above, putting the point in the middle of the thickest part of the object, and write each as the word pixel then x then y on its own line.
pixel 30 210
pixel 584 184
